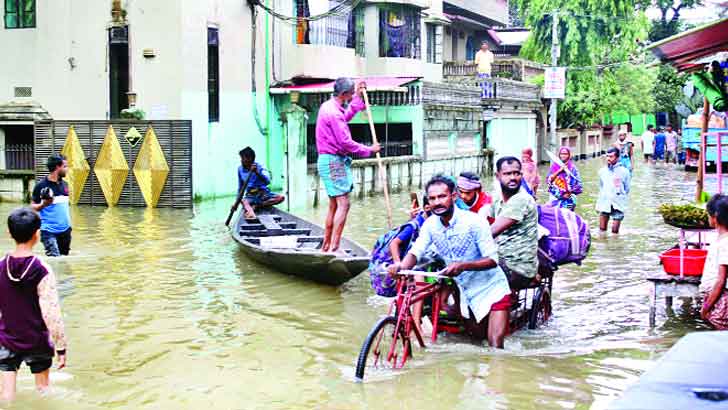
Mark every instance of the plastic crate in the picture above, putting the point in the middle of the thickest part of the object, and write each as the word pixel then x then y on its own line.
pixel 692 261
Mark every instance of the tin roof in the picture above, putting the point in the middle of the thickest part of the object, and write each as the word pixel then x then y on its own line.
pixel 373 84
pixel 687 51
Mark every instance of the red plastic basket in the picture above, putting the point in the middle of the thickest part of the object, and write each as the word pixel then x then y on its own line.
pixel 692 261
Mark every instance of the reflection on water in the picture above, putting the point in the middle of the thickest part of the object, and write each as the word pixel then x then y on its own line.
pixel 164 312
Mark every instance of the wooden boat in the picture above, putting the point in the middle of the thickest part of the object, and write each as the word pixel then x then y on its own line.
pixel 292 245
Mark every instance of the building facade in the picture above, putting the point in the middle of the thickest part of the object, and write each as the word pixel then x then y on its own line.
pixel 245 76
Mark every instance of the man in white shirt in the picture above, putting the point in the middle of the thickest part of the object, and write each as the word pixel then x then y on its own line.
pixel 484 60
pixel 648 144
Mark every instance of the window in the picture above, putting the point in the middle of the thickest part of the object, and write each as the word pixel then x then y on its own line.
pixel 434 44
pixel 455 45
pixel 399 31
pixel 470 49
pixel 356 31
pixel 118 70
pixel 19 13
pixel 341 29
pixel 213 75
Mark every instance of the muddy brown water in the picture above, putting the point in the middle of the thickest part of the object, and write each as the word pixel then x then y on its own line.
pixel 164 312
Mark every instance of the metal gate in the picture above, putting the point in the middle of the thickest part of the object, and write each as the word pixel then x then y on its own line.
pixel 173 137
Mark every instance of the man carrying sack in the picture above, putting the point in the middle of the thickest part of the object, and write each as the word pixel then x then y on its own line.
pixel 335 149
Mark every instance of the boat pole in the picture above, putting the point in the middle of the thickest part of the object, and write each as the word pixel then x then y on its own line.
pixel 382 179
pixel 702 155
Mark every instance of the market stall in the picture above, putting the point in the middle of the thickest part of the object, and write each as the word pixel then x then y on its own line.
pixel 703 52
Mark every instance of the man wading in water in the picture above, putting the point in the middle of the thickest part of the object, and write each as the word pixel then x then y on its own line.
pixel 335 148
pixel 50 200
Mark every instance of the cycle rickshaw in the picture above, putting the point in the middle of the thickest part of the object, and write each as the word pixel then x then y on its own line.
pixel 389 343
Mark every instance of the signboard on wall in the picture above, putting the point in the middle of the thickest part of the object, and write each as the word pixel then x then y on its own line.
pixel 554 82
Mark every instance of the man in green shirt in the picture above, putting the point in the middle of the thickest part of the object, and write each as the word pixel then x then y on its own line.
pixel 515 228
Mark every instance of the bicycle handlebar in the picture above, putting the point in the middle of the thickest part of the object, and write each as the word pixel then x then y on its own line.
pixel 437 275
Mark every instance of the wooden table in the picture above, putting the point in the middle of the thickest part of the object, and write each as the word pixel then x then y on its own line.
pixel 669 286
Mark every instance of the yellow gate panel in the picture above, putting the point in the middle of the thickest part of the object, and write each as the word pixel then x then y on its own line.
pixel 111 168
pixel 78 168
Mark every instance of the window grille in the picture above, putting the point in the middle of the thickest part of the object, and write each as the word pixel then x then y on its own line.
pixel 342 30
pixel 434 44
pixel 23 92
pixel 19 13
pixel 399 31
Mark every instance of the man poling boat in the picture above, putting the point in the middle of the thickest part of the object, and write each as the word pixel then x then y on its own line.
pixel 335 150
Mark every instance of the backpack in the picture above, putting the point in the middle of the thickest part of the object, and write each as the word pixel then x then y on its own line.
pixel 568 240
pixel 382 284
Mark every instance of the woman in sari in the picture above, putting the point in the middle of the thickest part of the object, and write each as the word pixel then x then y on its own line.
pixel 531 179
pixel 564 181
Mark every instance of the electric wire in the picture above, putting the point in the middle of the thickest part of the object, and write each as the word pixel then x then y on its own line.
pixel 341 9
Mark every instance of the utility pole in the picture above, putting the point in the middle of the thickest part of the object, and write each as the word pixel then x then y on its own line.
pixel 555 51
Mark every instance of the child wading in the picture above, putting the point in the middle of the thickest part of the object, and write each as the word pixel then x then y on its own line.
pixel 713 284
pixel 31 313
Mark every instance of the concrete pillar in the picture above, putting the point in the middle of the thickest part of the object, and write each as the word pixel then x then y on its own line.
pixel 371 35
pixel 2 148
pixel 296 183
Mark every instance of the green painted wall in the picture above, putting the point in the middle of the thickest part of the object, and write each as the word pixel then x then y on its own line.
pixel 639 121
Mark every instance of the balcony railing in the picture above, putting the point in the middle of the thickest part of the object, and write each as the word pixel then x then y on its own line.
pixel 512 69
pixel 467 92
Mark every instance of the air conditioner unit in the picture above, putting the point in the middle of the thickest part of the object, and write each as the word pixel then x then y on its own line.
pixel 119 35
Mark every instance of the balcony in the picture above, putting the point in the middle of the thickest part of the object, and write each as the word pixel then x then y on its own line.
pixel 506 85
pixel 515 69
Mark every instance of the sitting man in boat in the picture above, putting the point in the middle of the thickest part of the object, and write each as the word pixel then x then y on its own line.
pixel 253 181
pixel 516 226
pixel 463 240
pixel 472 196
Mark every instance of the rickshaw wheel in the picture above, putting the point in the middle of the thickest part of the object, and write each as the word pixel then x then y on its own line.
pixel 378 344
pixel 541 308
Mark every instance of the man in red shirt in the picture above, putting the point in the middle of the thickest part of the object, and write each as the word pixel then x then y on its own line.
pixel 471 193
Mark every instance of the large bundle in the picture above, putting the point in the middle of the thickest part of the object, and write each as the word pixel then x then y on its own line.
pixel 568 240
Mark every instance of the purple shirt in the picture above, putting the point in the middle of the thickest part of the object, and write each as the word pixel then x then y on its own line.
pixel 22 328
pixel 332 129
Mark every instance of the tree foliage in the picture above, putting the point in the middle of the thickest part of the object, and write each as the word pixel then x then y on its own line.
pixel 599 46
pixel 669 22
pixel 592 94
pixel 668 88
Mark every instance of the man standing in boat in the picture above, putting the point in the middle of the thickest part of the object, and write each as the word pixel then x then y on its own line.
pixel 335 149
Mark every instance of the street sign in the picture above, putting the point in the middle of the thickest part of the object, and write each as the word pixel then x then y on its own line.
pixel 554 82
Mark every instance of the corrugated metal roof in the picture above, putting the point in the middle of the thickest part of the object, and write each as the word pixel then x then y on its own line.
pixel 373 84
pixel 684 51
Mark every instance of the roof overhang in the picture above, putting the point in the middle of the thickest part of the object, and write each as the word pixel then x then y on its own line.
pixel 469 17
pixel 466 21
pixel 687 51
pixel 23 112
pixel 394 84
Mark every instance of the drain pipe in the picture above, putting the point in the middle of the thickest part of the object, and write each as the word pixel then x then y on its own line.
pixel 254 16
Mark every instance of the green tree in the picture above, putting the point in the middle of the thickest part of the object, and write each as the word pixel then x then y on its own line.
pixel 599 46
pixel 668 88
pixel 669 22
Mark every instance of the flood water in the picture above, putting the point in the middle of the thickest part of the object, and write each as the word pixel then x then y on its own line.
pixel 164 312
